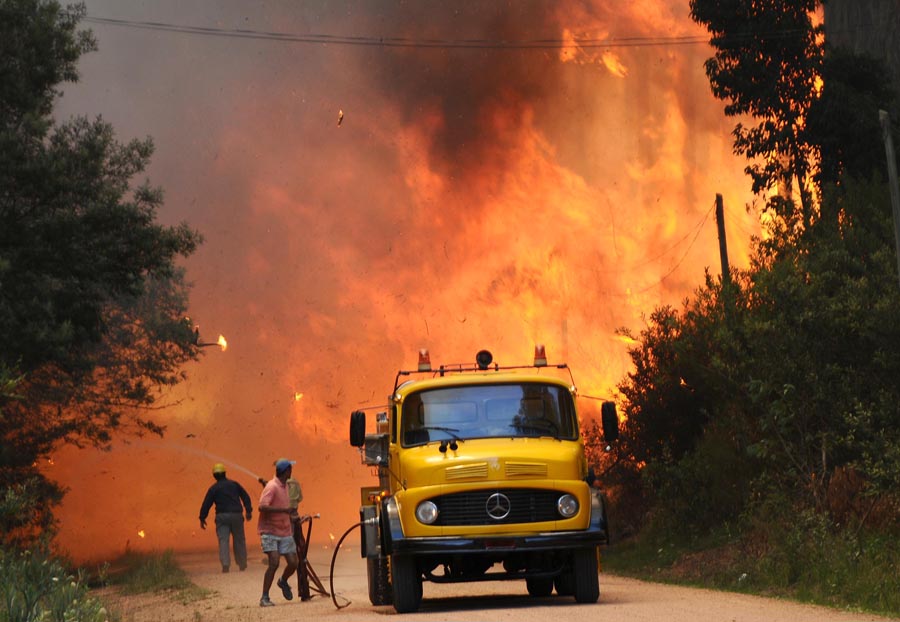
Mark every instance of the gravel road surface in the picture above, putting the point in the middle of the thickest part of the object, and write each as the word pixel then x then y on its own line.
pixel 236 598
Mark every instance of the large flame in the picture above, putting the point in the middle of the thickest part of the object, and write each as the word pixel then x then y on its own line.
pixel 463 198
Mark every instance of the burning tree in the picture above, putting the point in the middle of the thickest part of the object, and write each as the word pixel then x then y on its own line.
pixel 92 303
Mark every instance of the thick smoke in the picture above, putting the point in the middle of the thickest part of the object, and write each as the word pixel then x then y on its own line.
pixel 360 202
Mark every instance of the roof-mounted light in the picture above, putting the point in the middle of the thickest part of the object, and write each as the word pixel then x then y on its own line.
pixel 483 359
pixel 540 357
pixel 424 360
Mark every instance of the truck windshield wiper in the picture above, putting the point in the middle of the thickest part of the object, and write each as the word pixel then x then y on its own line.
pixel 451 431
pixel 444 444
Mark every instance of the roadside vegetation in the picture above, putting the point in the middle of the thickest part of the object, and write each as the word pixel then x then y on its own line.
pixel 92 307
pixel 34 585
pixel 37 585
pixel 761 438
pixel 806 559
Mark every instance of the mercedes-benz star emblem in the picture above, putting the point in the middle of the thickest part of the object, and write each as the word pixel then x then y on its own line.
pixel 498 506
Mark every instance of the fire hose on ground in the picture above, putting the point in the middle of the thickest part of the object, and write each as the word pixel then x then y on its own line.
pixel 333 559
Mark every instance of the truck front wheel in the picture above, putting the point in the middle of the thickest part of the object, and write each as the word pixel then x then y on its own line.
pixel 406 583
pixel 379 580
pixel 587 580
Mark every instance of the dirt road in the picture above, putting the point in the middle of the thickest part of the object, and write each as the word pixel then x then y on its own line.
pixel 621 599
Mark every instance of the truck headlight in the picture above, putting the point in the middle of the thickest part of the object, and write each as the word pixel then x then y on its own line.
pixel 427 512
pixel 567 506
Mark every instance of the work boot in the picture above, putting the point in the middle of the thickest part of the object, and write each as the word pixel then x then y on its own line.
pixel 224 568
pixel 265 602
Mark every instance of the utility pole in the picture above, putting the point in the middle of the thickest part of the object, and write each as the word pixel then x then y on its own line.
pixel 723 246
pixel 885 119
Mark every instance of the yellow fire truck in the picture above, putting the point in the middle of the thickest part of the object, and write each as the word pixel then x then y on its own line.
pixel 481 476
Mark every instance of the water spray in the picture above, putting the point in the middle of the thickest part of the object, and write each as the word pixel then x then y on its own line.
pixel 199 452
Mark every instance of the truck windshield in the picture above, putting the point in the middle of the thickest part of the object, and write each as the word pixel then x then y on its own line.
pixel 527 409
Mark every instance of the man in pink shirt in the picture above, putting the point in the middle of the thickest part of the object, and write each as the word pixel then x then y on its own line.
pixel 276 531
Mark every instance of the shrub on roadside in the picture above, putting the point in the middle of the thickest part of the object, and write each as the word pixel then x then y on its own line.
pixel 36 587
pixel 778 548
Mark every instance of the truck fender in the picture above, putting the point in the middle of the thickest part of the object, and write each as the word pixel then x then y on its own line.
pixel 390 525
pixel 369 538
pixel 599 518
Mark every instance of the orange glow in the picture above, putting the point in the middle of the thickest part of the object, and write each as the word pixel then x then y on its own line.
pixel 222 343
pixel 298 397
pixel 613 63
pixel 572 52
pixel 141 533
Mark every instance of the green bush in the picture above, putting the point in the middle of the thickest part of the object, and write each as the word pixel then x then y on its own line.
pixel 777 548
pixel 36 587
pixel 815 561
pixel 704 490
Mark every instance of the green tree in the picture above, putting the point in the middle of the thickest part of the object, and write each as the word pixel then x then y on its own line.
pixel 772 391
pixel 827 348
pixel 814 106
pixel 92 301
pixel 766 65
pixel 842 124
pixel 685 428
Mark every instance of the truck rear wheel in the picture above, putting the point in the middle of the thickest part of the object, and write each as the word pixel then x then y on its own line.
pixel 406 583
pixel 587 580
pixel 379 580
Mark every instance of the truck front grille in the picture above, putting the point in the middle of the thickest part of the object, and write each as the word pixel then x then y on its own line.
pixel 497 507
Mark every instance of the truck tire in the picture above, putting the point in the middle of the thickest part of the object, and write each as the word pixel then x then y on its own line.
pixel 379 580
pixel 587 579
pixel 539 586
pixel 406 584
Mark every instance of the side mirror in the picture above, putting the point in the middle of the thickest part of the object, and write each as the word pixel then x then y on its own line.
pixel 357 428
pixel 610 421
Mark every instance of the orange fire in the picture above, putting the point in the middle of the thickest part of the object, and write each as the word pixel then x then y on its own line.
pixel 222 343
pixel 489 199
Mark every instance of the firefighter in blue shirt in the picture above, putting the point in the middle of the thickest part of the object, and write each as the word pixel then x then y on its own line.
pixel 228 495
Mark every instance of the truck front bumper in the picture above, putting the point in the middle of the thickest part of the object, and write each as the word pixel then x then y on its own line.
pixel 539 542
pixel 396 543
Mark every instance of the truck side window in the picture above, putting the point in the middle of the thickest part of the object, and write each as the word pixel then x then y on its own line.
pixel 413 421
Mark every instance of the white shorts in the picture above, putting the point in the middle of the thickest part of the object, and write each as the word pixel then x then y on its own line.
pixel 285 545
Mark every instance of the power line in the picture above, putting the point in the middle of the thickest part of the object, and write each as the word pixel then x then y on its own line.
pixel 683 257
pixel 403 41
pixel 649 260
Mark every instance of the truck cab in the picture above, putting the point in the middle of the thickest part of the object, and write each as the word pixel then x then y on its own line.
pixel 482 476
